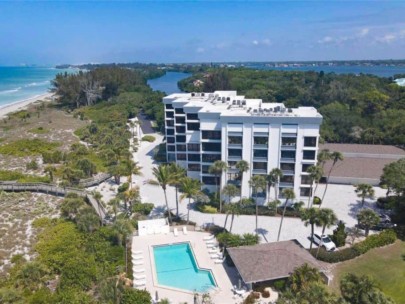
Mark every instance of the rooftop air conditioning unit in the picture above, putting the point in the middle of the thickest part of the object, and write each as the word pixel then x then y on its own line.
pixel 289 110
pixel 243 102
pixel 202 94
pixel 192 94
pixel 228 99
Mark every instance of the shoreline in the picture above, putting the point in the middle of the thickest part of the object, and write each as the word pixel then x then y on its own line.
pixel 19 105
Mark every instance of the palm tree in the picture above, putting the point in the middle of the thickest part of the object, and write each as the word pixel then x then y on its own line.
pixel 178 173
pixel 257 182
pixel 114 203
pixel 234 209
pixel 315 174
pixel 123 229
pixel 242 166
pixel 190 187
pixel 133 168
pixel 163 177
pixel 323 157
pixel 310 216
pixel 229 191
pixel 327 218
pixel 303 277
pixel 87 220
pixel 272 180
pixel 335 156
pixel 289 195
pixel 367 218
pixel 217 168
pixel 363 191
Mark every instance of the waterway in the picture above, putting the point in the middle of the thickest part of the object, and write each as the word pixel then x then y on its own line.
pixel 168 82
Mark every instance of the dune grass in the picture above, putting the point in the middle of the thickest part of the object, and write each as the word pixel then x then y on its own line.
pixel 385 265
pixel 28 147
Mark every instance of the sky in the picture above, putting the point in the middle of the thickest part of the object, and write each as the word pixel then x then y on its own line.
pixel 199 31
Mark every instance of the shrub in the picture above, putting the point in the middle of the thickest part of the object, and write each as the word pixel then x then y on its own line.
pixel 266 294
pixel 148 138
pixel 32 165
pixel 28 147
pixel 6 175
pixel 339 235
pixel 54 157
pixel 384 238
pixel 144 208
pixel 250 299
pixel 39 130
pixel 207 209
pixel 279 284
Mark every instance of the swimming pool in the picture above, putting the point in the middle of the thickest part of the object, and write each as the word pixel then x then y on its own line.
pixel 176 267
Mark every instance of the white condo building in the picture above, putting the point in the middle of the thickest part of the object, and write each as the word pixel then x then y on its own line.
pixel 201 128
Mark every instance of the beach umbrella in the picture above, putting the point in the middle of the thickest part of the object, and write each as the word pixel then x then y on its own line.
pixel 156 296
pixel 240 284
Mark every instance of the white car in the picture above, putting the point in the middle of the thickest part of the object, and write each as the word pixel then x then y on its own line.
pixel 325 242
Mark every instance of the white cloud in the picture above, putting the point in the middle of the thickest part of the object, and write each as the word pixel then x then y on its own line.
pixel 363 32
pixel 266 41
pixel 325 40
pixel 387 38
pixel 255 42
pixel 200 50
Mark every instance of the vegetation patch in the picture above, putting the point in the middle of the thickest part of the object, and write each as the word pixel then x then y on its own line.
pixel 39 130
pixel 28 147
pixel 6 175
pixel 149 138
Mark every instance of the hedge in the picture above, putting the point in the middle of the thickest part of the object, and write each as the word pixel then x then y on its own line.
pixel 384 238
pixel 148 138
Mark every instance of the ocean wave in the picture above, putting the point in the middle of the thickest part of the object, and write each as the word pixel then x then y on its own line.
pixel 35 84
pixel 10 91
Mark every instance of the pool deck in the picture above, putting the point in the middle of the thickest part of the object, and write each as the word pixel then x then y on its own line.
pixel 222 273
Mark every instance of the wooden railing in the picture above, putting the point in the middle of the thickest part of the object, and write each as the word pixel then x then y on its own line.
pixel 90 182
pixel 53 190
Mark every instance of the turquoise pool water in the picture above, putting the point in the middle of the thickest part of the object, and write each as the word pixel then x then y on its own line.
pixel 176 267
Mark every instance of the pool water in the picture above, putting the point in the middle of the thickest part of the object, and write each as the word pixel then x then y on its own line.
pixel 176 267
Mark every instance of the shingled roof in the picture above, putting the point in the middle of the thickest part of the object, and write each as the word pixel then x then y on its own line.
pixel 270 261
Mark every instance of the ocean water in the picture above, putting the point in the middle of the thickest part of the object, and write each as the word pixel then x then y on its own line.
pixel 168 82
pixel 20 83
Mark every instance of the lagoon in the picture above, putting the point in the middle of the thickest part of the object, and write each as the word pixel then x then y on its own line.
pixel 168 82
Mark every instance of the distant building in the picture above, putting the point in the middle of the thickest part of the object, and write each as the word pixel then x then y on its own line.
pixel 204 127
pixel 361 164
pixel 198 83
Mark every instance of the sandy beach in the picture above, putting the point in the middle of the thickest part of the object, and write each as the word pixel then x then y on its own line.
pixel 4 110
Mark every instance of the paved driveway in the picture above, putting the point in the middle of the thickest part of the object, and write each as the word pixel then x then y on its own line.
pixel 341 198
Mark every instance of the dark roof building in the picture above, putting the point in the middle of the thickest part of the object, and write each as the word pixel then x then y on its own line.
pixel 362 163
pixel 271 261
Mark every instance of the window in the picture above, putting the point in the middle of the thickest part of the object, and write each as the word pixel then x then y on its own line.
pixel 180 138
pixel 287 167
pixel 305 192
pixel 305 167
pixel 309 155
pixel 181 147
pixel 261 140
pixel 194 157
pixel 234 140
pixel 193 126
pixel 232 164
pixel 288 141
pixel 180 120
pixel 193 147
pixel 169 114
pixel 260 153
pixel 192 116
pixel 260 166
pixel 170 140
pixel 287 179
pixel 171 157
pixel 305 180
pixel 181 156
pixel 234 152
pixel 179 111
pixel 215 147
pixel 205 168
pixel 170 131
pixel 170 123
pixel 169 107
pixel 288 154
pixel 171 148
pixel 309 141
pixel 194 167
pixel 211 134
pixel 210 158
pixel 234 179
pixel 209 180
pixel 180 129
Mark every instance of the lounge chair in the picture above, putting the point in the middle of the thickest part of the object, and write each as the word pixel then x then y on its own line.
pixel 215 256
pixel 208 238
pixel 219 261
pixel 139 257
pixel 140 283
pixel 210 242
pixel 137 263
pixel 139 277
pixel 175 232
pixel 137 252
pixel 185 232
pixel 141 270
pixel 213 250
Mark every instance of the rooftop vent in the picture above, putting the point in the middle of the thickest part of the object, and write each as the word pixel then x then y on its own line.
pixel 234 102
pixel 289 110
pixel 243 102
pixel 192 94
pixel 228 99
pixel 202 94
pixel 277 109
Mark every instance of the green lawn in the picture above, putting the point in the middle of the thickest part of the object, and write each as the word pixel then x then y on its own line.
pixel 386 265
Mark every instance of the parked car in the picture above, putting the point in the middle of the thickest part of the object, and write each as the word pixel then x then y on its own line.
pixel 385 223
pixel 324 241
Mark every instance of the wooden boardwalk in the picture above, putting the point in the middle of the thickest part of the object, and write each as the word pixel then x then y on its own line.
pixel 53 190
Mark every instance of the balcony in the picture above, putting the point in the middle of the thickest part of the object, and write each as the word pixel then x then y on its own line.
pixel 286 185
pixel 235 146
pixel 288 172
pixel 255 146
